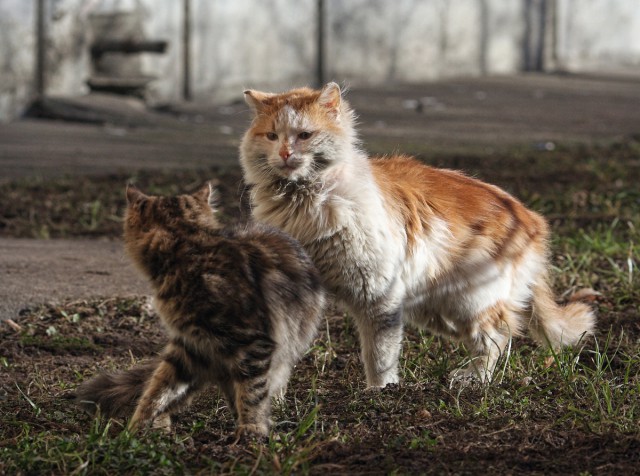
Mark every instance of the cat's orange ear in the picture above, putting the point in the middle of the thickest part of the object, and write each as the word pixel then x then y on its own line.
pixel 133 193
pixel 256 99
pixel 330 98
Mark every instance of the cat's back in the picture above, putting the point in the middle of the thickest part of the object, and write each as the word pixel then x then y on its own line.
pixel 421 193
pixel 415 181
pixel 238 256
pixel 237 278
pixel 274 249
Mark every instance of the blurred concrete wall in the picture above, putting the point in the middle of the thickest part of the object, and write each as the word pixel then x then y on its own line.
pixel 414 40
pixel 272 43
pixel 599 35
pixel 17 58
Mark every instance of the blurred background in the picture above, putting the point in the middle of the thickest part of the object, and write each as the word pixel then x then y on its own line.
pixel 208 50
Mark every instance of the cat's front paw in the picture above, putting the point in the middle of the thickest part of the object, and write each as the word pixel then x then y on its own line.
pixel 479 370
pixel 251 432
pixel 279 396
pixel 382 388
pixel 162 422
pixel 468 376
pixel 383 380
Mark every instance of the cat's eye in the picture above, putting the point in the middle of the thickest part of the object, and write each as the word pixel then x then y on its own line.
pixel 272 136
pixel 304 135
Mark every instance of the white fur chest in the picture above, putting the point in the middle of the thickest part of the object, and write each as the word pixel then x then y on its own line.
pixel 352 243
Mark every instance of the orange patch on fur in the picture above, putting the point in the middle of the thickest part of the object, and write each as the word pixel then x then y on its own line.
pixel 302 100
pixel 478 214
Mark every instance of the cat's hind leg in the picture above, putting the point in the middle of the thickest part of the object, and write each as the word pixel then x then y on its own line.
pixel 171 387
pixel 250 375
pixel 279 378
pixel 253 406
pixel 486 339
pixel 226 386
pixel 381 343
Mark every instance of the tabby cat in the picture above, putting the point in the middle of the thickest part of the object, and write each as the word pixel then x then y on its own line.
pixel 241 307
pixel 400 242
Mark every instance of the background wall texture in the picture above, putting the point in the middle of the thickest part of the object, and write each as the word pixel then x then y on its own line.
pixel 273 44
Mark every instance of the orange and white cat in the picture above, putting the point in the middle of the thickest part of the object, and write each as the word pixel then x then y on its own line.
pixel 399 242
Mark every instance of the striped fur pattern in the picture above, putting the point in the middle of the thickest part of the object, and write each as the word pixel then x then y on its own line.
pixel 399 242
pixel 241 307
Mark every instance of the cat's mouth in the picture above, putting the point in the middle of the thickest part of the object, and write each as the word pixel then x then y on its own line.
pixel 288 169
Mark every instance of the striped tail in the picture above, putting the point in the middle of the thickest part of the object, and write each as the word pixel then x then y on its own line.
pixel 115 394
pixel 555 325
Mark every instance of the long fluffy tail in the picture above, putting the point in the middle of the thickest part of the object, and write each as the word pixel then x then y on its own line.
pixel 555 325
pixel 115 394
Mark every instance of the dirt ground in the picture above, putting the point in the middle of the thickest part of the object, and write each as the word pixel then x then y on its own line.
pixel 419 427
pixel 121 136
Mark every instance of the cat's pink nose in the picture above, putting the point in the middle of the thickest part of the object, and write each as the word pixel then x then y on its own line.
pixel 285 154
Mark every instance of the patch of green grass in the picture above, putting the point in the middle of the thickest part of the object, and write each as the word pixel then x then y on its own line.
pixel 59 344
pixel 98 451
pixel 94 206
pixel 580 388
pixel 293 451
pixel 605 256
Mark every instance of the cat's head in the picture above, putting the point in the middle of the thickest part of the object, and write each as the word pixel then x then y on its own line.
pixel 296 135
pixel 175 214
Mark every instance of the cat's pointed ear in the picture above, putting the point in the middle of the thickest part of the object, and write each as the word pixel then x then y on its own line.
pixel 133 193
pixel 213 198
pixel 330 98
pixel 256 99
